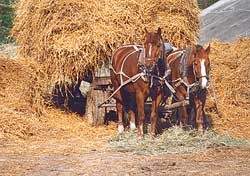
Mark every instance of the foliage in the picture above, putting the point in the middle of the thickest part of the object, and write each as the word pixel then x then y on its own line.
pixel 6 17
pixel 205 3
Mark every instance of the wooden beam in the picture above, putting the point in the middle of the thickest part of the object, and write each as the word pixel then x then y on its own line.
pixel 177 105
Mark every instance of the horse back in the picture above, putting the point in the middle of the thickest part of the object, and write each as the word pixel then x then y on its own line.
pixel 122 53
pixel 175 55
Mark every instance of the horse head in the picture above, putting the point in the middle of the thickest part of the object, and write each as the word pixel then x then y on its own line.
pixel 201 64
pixel 153 49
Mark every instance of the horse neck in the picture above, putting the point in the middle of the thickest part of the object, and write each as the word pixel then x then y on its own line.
pixel 187 63
pixel 161 67
pixel 178 66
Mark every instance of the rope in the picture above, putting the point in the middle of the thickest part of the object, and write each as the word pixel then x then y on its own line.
pixel 132 79
pixel 214 97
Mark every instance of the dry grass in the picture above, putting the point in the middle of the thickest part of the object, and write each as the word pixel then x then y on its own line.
pixel 174 140
pixel 22 117
pixel 68 36
pixel 230 73
pixel 17 88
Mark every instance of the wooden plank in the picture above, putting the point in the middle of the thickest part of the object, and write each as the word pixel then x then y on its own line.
pixel 176 105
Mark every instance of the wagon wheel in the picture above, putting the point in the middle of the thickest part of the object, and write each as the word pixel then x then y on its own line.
pixel 94 114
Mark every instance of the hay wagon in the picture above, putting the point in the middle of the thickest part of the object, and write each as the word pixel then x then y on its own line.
pixel 80 38
pixel 100 104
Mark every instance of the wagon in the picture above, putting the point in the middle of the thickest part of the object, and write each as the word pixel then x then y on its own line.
pixel 100 103
pixel 100 89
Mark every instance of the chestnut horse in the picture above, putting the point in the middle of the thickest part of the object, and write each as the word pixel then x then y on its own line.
pixel 133 67
pixel 190 77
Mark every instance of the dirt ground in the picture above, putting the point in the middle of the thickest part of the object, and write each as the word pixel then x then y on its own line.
pixel 70 157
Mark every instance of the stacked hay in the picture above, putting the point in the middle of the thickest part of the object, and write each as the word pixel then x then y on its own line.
pixel 231 73
pixel 68 36
pixel 18 90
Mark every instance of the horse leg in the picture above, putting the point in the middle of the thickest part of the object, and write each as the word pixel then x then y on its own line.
pixel 154 113
pixel 132 119
pixel 184 115
pixel 199 114
pixel 140 107
pixel 119 108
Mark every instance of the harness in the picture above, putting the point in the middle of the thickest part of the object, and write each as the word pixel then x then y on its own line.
pixel 138 48
pixel 144 74
pixel 183 69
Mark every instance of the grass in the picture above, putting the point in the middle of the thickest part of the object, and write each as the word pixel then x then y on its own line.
pixel 174 140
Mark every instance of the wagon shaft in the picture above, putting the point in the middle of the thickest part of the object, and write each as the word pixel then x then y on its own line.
pixel 176 105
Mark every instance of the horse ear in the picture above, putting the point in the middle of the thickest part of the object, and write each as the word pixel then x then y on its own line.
pixel 159 31
pixel 208 49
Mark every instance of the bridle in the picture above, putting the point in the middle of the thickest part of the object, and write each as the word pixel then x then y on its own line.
pixel 153 70
pixel 198 78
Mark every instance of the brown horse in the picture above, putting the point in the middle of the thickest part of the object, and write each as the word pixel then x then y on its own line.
pixel 189 77
pixel 131 75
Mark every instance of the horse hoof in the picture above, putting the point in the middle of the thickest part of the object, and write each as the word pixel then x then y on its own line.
pixel 120 129
pixel 152 134
pixel 200 131
pixel 132 126
pixel 140 136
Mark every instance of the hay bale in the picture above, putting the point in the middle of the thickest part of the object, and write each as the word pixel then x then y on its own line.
pixel 230 71
pixel 68 36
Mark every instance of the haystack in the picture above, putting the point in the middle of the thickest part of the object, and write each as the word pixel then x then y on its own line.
pixel 17 95
pixel 231 73
pixel 69 36
pixel 20 89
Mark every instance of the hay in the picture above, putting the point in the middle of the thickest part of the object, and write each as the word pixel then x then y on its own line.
pixel 230 73
pixel 17 92
pixel 69 36
pixel 20 116
pixel 174 140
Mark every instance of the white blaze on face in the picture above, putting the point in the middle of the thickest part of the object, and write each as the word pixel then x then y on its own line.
pixel 203 74
pixel 150 50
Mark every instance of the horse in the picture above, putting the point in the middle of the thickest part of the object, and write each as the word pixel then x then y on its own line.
pixel 190 78
pixel 132 70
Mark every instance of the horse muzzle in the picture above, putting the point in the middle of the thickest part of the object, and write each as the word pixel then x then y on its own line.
pixel 204 82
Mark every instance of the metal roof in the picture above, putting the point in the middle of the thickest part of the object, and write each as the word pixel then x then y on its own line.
pixel 225 20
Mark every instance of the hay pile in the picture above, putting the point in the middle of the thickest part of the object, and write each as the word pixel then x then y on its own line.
pixel 19 109
pixel 174 140
pixel 231 73
pixel 68 36
pixel 17 93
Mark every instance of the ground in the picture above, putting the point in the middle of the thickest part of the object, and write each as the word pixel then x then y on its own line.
pixel 46 158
